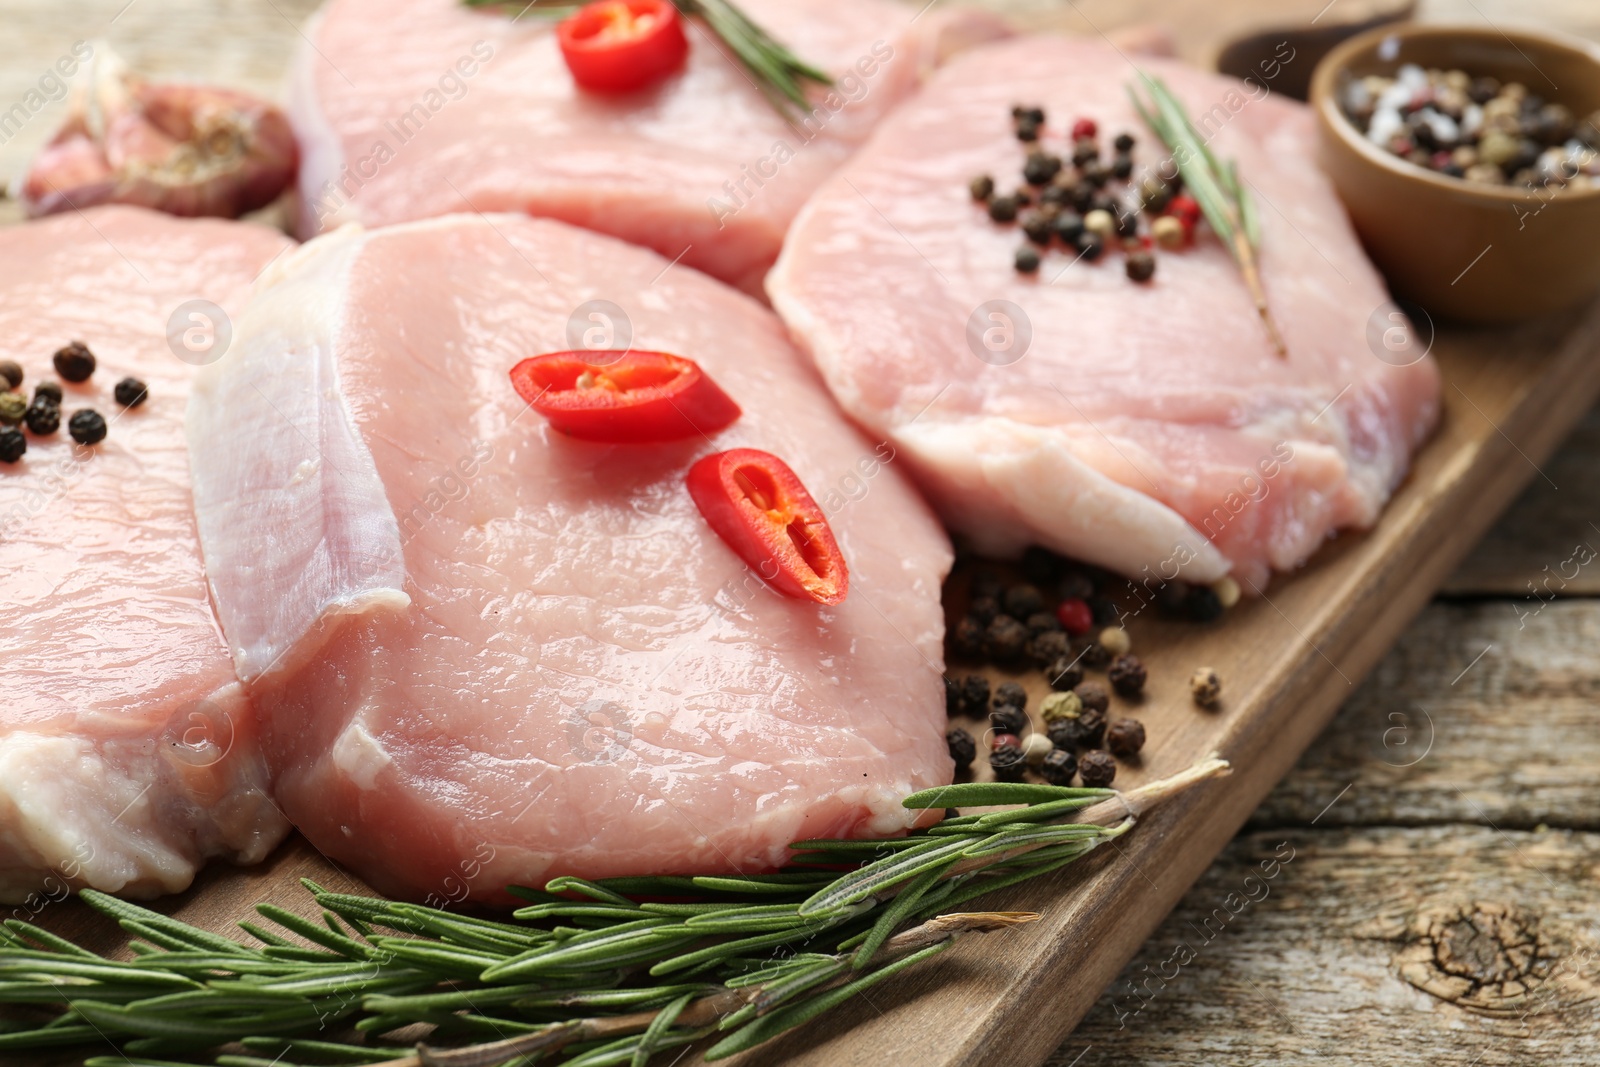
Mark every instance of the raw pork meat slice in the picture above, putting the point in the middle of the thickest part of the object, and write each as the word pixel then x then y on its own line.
pixel 1149 428
pixel 485 653
pixel 127 753
pixel 408 109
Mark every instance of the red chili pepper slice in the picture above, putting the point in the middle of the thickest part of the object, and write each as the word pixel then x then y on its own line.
pixel 617 46
pixel 759 507
pixel 623 397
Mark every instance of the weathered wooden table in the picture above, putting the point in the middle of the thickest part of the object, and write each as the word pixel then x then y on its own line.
pixel 1436 855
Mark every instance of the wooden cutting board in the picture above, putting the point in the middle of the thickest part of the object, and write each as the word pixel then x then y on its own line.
pixel 1287 662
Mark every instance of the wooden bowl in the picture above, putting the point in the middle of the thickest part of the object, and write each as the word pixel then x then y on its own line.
pixel 1456 249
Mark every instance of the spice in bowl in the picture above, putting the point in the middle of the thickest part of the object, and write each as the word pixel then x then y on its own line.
pixel 1475 128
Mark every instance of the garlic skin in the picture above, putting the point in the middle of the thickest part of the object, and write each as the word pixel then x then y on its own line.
pixel 185 150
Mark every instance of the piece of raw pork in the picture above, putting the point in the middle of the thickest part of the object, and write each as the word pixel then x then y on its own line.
pixel 127 751
pixel 1148 427
pixel 408 109
pixel 485 653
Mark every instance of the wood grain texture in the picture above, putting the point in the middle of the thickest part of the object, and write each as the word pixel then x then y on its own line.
pixel 1324 946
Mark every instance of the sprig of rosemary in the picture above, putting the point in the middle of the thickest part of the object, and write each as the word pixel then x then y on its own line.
pixel 1215 185
pixel 781 75
pixel 600 973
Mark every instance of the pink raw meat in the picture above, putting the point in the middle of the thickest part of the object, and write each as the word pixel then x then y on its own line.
pixel 127 752
pixel 485 653
pixel 407 109
pixel 1149 428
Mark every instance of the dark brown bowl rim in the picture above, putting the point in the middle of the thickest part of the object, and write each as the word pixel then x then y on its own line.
pixel 1323 98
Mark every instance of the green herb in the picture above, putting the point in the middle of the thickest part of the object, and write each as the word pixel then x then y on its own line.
pixel 1215 185
pixel 594 973
pixel 781 75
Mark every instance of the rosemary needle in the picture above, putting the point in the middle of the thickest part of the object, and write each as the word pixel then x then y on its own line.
pixel 743 957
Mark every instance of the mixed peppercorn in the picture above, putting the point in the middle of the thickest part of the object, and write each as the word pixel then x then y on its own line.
pixel 1475 128
pixel 75 363
pixel 1082 204
pixel 1059 619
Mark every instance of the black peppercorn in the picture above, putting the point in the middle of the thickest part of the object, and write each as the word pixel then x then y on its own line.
pixel 1104 610
pixel 1094 655
pixel 1069 226
pixel 1083 730
pixel 1064 674
pixel 1141 265
pixel 1172 598
pixel 987 583
pixel 1010 694
pixel 1127 224
pixel 1040 565
pixel 1027 130
pixel 1093 695
pixel 963 749
pixel 1075 584
pixel 1202 604
pixel 1003 208
pixel 1040 168
pixel 1124 142
pixel 1483 89
pixel 87 427
pixel 1089 246
pixel 984 609
pixel 1059 767
pixel 1082 198
pixel 1096 174
pixel 1026 260
pixel 1023 599
pixel 43 417
pixel 1097 769
pixel 974 695
pixel 52 390
pixel 130 392
pixel 968 639
pixel 1009 719
pixel 1048 647
pixel 1122 168
pixel 1056 195
pixel 1008 763
pixel 952 696
pixel 1039 227
pixel 12 444
pixel 11 371
pixel 982 187
pixel 1041 622
pixel 1125 737
pixel 1084 152
pixel 1005 639
pixel 1127 675
pixel 75 362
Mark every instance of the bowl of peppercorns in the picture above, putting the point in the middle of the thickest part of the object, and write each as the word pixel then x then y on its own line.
pixel 1469 161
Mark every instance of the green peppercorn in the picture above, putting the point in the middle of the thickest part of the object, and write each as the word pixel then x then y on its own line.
pixel 1127 675
pixel 1027 260
pixel 1003 208
pixel 1097 768
pixel 982 187
pixel 75 362
pixel 1125 737
pixel 130 392
pixel 1040 167
pixel 1005 639
pixel 1141 265
pixel 12 445
pixel 43 416
pixel 1059 767
pixel 52 390
pixel 87 427
pixel 1155 194
pixel 1059 706
pixel 1008 763
pixel 11 371
pixel 12 408
pixel 1124 142
pixel 1009 719
pixel 963 749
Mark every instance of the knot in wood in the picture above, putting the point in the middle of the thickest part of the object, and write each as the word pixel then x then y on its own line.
pixel 1483 957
